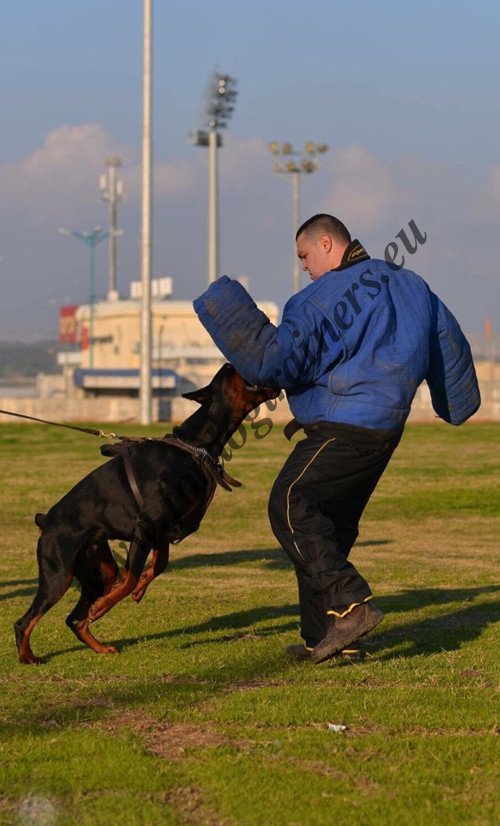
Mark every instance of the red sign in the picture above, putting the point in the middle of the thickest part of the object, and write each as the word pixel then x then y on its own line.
pixel 84 338
pixel 67 324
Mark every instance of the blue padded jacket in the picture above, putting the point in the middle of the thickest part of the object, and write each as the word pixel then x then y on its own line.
pixel 352 347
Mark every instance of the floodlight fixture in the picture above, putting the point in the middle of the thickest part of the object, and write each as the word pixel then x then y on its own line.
pixel 295 164
pixel 111 188
pixel 220 98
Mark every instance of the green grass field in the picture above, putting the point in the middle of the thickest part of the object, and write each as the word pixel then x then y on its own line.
pixel 201 719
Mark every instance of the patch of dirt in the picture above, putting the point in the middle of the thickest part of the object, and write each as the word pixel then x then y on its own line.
pixel 190 808
pixel 170 740
pixel 363 784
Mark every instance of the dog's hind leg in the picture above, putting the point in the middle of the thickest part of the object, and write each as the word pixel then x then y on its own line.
pixel 156 567
pixel 136 559
pixel 53 582
pixel 96 571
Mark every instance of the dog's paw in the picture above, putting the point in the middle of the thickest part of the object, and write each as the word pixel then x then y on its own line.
pixel 108 649
pixel 144 581
pixel 30 659
pixel 138 594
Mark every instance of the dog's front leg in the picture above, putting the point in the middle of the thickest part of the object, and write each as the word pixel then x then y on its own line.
pixel 136 559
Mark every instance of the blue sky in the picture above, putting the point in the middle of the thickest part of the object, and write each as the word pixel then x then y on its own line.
pixel 405 94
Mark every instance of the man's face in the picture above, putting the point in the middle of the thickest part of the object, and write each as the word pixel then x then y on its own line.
pixel 314 255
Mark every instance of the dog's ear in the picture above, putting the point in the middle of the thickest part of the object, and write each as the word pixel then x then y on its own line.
pixel 202 395
pixel 40 520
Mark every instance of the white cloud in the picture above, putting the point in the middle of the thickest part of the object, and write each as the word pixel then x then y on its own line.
pixel 68 161
pixel 59 180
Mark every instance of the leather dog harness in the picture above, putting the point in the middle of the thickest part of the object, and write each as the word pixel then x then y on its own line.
pixel 129 470
pixel 212 468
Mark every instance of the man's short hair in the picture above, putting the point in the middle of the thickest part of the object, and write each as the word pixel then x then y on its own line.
pixel 324 224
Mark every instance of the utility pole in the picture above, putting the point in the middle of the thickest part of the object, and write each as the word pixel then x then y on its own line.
pixel 213 209
pixel 146 219
pixel 307 163
pixel 111 188
pixel 220 97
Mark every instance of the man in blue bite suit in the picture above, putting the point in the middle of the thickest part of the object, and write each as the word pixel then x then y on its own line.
pixel 351 350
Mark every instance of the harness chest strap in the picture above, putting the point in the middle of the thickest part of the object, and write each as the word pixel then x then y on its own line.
pixel 207 463
pixel 129 470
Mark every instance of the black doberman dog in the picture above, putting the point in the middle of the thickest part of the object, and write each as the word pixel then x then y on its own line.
pixel 151 493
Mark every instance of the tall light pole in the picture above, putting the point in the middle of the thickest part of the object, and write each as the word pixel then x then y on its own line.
pixel 146 218
pixel 299 163
pixel 111 187
pixel 221 94
pixel 91 238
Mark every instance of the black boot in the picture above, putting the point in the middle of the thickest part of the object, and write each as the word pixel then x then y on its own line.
pixel 343 632
pixel 299 651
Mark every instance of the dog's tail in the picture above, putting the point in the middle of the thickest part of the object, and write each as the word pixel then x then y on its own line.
pixel 40 520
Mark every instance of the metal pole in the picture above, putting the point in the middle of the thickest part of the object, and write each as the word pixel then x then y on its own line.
pixel 296 223
pixel 92 247
pixel 213 229
pixel 146 235
pixel 113 163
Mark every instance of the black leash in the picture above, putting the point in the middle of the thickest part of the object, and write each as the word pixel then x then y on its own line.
pixel 90 430
pixel 213 468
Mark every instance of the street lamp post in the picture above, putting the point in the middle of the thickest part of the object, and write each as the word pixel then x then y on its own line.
pixel 213 208
pixel 146 213
pixel 221 95
pixel 111 187
pixel 299 163
pixel 91 238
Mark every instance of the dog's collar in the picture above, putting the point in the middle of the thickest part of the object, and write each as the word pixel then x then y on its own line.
pixel 214 467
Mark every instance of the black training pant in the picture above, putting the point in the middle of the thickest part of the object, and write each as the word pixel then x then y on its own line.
pixel 315 506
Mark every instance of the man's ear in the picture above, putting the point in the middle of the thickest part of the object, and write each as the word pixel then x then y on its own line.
pixel 200 396
pixel 326 242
